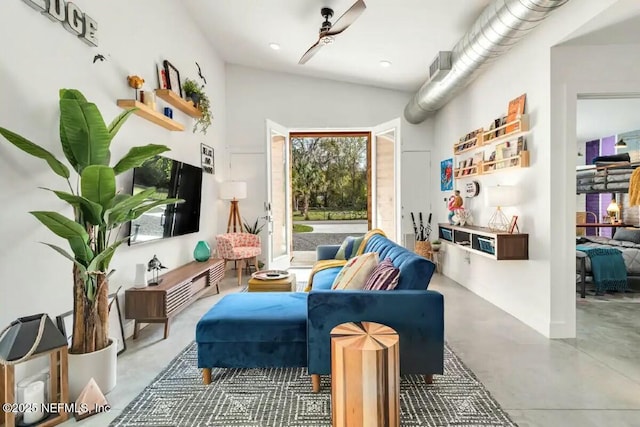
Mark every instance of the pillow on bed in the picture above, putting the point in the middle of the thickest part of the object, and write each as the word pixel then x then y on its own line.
pixel 622 157
pixel 628 235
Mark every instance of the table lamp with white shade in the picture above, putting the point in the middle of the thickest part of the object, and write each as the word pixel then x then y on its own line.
pixel 234 191
pixel 500 196
pixel 613 210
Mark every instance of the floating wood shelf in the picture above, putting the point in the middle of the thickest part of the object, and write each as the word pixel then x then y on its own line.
pixel 149 114
pixel 473 171
pixel 521 125
pixel 172 98
pixel 475 144
pixel 519 161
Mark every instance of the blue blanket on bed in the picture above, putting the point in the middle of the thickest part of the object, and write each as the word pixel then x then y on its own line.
pixel 608 268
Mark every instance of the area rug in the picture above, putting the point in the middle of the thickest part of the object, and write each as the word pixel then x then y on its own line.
pixel 282 397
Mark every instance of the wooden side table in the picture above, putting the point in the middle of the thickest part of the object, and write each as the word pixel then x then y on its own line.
pixel 365 375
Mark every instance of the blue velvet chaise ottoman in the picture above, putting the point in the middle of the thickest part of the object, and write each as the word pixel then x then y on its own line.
pixel 266 329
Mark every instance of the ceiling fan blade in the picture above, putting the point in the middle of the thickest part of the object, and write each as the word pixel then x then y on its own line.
pixel 309 54
pixel 347 18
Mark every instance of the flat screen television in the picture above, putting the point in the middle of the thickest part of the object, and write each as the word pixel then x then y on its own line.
pixel 172 179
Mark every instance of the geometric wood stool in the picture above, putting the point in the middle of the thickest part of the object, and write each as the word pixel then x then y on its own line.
pixel 365 375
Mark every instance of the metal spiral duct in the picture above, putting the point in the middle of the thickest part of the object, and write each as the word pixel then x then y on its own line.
pixel 501 25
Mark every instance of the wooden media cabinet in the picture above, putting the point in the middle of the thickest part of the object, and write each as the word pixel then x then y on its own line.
pixel 178 288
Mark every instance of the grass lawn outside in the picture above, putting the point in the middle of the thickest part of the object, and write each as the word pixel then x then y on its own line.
pixel 301 228
pixel 318 215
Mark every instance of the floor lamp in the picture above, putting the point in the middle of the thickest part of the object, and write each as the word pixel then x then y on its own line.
pixel 234 191
pixel 499 197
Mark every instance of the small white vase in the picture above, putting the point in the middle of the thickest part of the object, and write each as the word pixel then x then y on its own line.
pixel 100 365
pixel 141 279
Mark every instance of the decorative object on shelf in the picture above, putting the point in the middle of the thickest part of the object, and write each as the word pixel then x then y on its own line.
pixel 234 191
pixel 97 216
pixel 25 339
pixel 446 175
pixel 200 99
pixel 147 113
pixel 256 228
pixel 207 160
pixel 155 265
pixel 141 278
pixel 462 217
pixel 173 78
pixel 70 16
pixel 500 196
pixel 162 77
pixel 516 109
pixel 149 99
pixel 471 189
pixel 168 112
pixel 136 83
pixel 202 251
pixel 513 225
pixel 91 401
pixel 455 202
pixel 116 328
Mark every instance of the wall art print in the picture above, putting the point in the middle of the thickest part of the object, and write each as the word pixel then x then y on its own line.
pixel 446 175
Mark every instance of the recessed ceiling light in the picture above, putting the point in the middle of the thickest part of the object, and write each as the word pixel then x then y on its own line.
pixel 385 63
pixel 274 46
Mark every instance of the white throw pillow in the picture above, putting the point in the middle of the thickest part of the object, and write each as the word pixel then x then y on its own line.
pixel 355 272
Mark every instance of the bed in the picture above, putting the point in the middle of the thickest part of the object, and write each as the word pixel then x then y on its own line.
pixel 630 249
pixel 610 178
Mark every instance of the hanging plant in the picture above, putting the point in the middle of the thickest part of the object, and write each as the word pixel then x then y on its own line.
pixel 196 93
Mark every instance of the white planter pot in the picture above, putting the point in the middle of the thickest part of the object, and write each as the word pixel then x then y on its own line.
pixel 100 365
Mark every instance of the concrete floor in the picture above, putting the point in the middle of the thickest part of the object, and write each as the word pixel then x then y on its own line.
pixel 539 382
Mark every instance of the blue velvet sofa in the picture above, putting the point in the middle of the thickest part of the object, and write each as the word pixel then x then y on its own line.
pixel 291 329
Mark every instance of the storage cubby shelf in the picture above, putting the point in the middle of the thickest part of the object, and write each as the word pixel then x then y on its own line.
pixel 506 246
pixel 522 161
pixel 521 127
pixel 172 98
pixel 150 114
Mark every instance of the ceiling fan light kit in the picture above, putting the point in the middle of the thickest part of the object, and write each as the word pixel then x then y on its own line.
pixel 329 31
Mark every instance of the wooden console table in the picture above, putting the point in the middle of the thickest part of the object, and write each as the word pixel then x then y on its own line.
pixel 178 289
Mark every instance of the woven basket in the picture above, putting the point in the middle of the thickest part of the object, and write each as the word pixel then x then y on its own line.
pixel 423 248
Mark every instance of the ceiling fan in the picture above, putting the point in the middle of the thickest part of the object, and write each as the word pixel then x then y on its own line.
pixel 328 31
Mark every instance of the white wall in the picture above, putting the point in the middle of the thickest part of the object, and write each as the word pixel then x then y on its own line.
pixel 38 58
pixel 521 288
pixel 305 103
pixel 574 71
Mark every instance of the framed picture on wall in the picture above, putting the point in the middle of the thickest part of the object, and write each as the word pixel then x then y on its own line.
pixel 446 175
pixel 173 78
pixel 207 159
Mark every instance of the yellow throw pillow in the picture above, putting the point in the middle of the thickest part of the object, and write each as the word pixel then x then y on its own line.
pixel 355 272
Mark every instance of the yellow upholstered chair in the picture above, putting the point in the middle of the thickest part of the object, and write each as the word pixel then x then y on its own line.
pixel 240 247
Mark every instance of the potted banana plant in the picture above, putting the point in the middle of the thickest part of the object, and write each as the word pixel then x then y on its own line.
pixel 93 233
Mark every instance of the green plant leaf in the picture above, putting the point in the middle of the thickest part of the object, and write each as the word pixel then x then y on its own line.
pixel 137 156
pixel 136 213
pixel 66 147
pixel 91 210
pixel 36 151
pixel 68 229
pixel 118 213
pixel 102 260
pixel 117 123
pixel 83 268
pixel 85 132
pixel 98 184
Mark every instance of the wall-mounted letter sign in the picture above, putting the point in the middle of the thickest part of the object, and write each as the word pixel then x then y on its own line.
pixel 70 16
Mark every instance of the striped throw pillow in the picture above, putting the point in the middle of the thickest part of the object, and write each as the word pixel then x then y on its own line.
pixel 349 247
pixel 355 272
pixel 384 277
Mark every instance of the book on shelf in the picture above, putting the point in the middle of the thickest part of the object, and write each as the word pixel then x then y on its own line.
pixel 500 154
pixel 516 109
pixel 478 157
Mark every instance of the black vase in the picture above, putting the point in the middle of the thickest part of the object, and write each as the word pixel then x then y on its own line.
pixel 195 97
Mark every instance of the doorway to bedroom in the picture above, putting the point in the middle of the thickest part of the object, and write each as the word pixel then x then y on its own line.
pixel 608 231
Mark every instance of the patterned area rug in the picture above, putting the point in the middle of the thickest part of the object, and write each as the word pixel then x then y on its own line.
pixel 282 397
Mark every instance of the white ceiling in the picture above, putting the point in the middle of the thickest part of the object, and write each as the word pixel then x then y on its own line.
pixel 409 33
pixel 599 118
